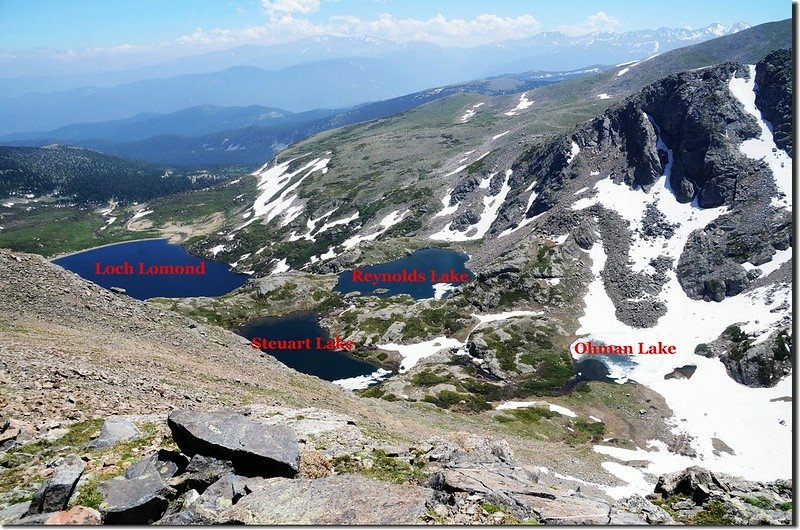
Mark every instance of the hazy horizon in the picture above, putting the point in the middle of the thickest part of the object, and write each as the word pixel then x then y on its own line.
pixel 91 36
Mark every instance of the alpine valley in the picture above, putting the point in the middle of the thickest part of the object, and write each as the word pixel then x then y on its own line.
pixel 601 331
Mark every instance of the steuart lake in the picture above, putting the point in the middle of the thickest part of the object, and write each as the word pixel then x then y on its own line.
pixel 144 276
pixel 295 329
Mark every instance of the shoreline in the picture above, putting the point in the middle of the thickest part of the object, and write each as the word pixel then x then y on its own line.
pixel 67 254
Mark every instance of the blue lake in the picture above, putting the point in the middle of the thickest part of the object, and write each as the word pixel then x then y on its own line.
pixel 325 364
pixel 427 262
pixel 217 279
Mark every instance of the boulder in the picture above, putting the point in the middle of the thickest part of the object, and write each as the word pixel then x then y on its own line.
pixel 139 497
pixel 585 234
pixel 255 447
pixel 488 478
pixel 694 482
pixel 337 500
pixel 645 509
pixel 574 510
pixel 14 512
pixel 183 518
pixel 75 516
pixel 167 463
pixel 55 492
pixel 201 472
pixel 36 519
pixel 206 508
pixel 115 430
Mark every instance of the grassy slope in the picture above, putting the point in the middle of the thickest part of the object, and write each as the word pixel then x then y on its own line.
pixel 54 227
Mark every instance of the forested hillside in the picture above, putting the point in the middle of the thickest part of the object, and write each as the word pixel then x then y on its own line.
pixel 89 176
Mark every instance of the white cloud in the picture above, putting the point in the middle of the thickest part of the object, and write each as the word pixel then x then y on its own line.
pixel 111 51
pixel 276 8
pixel 439 29
pixel 285 21
pixel 597 22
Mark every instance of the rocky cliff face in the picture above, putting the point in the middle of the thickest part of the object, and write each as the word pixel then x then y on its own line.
pixel 689 127
pixel 774 97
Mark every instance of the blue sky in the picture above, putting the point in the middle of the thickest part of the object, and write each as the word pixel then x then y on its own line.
pixel 80 28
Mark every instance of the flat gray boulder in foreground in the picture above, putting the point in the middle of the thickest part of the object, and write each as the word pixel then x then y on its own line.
pixel 254 447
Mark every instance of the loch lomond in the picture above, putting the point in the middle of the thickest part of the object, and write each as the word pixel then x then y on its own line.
pixel 153 268
pixel 425 273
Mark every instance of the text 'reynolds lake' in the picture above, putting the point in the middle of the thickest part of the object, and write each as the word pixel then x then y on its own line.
pixel 425 273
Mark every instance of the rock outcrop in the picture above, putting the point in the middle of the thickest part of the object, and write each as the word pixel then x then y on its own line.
pixel 760 364
pixel 699 496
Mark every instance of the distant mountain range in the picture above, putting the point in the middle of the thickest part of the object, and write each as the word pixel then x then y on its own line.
pixel 192 121
pixel 207 136
pixel 318 72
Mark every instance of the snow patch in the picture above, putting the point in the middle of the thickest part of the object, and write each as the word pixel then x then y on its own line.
pixel 511 405
pixel 440 289
pixel 457 170
pixel 140 214
pixel 491 207
pixel 385 224
pixel 277 195
pixel 632 64
pixel 413 353
pixel 280 266
pixel 112 204
pixel 470 112
pixel 573 152
pixel 363 381
pixel 523 104
pixel 483 319
pixel 447 209
pixel 108 223
pixel 762 449
pixel 311 224
pixel 779 258
pixel 343 221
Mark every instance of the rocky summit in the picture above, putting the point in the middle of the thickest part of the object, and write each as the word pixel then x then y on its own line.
pixel 456 479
